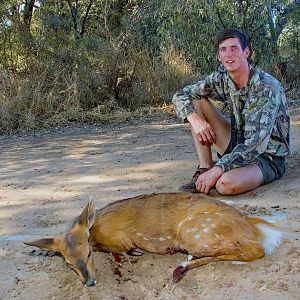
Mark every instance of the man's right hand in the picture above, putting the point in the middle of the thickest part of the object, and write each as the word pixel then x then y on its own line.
pixel 208 179
pixel 202 129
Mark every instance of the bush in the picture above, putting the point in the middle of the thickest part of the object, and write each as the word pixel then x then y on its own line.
pixel 126 55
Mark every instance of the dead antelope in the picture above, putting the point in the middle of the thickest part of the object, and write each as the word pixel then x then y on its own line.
pixel 207 229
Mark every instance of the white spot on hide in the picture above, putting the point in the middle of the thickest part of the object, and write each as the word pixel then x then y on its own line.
pixel 190 257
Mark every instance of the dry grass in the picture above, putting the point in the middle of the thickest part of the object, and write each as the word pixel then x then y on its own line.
pixel 117 86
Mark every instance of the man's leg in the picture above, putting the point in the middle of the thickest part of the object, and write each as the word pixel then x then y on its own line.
pixel 221 127
pixel 236 181
pixel 265 169
pixel 240 180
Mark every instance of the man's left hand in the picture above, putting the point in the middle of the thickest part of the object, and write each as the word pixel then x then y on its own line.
pixel 208 179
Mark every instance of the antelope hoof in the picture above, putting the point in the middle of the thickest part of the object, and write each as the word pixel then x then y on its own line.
pixel 178 273
pixel 135 252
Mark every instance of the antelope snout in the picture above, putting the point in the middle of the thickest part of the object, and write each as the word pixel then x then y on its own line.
pixel 91 282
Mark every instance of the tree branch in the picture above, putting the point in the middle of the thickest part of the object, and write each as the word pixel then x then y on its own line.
pixel 73 10
pixel 85 17
pixel 220 19
pixel 28 10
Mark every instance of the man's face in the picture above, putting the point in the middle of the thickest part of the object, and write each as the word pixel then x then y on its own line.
pixel 232 56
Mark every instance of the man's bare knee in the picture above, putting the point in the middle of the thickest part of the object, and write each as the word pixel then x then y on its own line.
pixel 226 186
pixel 240 180
pixel 202 105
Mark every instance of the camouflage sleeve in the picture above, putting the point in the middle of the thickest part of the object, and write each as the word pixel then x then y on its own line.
pixel 260 114
pixel 211 87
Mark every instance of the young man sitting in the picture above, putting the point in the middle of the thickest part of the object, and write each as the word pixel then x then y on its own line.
pixel 253 144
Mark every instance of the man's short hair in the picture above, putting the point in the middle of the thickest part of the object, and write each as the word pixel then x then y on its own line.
pixel 233 33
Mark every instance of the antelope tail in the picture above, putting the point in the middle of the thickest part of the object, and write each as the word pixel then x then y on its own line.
pixel 271 237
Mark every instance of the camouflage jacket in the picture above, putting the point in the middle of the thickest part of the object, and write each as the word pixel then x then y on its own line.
pixel 260 110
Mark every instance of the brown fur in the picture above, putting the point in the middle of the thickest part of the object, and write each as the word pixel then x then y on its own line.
pixel 203 227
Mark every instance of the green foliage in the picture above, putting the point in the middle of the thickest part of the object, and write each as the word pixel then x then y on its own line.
pixel 66 61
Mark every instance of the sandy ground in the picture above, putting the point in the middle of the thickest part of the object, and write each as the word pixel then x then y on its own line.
pixel 47 178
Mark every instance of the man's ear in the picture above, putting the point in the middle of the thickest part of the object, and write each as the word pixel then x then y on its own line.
pixel 218 58
pixel 247 52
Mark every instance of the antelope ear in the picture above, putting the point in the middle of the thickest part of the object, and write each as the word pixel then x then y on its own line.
pixel 46 243
pixel 87 216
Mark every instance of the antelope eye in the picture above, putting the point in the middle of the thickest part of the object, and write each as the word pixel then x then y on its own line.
pixel 90 252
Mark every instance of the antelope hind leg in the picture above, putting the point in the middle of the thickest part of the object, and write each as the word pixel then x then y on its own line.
pixel 180 271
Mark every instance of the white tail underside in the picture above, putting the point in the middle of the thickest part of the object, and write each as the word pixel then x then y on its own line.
pixel 271 239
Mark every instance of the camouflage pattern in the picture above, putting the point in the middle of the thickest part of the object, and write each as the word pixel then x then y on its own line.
pixel 260 110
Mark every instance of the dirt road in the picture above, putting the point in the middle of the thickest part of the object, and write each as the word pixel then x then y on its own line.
pixel 47 178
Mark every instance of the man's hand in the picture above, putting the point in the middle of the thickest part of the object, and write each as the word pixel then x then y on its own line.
pixel 202 129
pixel 208 179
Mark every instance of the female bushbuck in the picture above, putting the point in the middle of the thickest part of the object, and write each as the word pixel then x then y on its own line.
pixel 206 229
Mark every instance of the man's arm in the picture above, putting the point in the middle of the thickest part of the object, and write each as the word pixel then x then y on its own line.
pixel 210 87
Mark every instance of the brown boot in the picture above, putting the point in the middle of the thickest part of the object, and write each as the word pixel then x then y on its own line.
pixel 191 186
